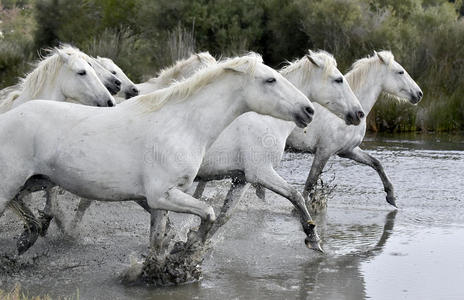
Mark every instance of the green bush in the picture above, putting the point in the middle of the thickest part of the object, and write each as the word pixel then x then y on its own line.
pixel 426 37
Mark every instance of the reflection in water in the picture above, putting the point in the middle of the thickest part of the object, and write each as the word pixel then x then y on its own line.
pixel 340 277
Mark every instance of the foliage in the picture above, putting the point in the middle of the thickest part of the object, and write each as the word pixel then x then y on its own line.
pixel 426 36
pixel 16 35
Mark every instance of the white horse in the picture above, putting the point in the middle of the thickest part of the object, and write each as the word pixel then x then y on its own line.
pixel 109 80
pixel 128 88
pixel 60 76
pixel 252 146
pixel 157 141
pixel 327 135
pixel 182 69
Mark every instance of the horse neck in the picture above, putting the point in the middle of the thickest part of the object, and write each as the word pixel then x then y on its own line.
pixel 207 113
pixel 49 91
pixel 369 90
pixel 287 126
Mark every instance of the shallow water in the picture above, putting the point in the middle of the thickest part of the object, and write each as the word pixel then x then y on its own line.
pixel 372 250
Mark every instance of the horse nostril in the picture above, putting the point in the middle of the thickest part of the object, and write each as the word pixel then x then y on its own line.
pixel 117 82
pixel 360 114
pixel 110 103
pixel 420 94
pixel 135 90
pixel 309 110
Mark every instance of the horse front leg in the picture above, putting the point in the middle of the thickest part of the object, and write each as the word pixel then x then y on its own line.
pixel 237 190
pixel 358 155
pixel 160 229
pixel 269 179
pixel 159 226
pixel 319 162
pixel 178 201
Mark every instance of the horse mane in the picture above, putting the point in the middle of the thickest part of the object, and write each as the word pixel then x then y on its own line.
pixel 46 70
pixel 357 75
pixel 168 75
pixel 305 65
pixel 47 67
pixel 185 88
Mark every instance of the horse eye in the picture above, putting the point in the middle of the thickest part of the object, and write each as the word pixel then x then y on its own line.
pixel 339 80
pixel 401 72
pixel 113 72
pixel 270 80
pixel 82 73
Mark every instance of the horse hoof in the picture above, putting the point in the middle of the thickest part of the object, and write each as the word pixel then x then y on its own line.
pixel 392 201
pixel 27 239
pixel 314 245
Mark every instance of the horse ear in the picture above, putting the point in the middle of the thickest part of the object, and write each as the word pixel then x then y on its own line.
pixel 64 56
pixel 312 58
pixel 382 59
pixel 242 68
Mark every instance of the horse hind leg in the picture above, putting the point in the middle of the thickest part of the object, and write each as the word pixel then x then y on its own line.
pixel 33 226
pixel 50 212
pixel 82 207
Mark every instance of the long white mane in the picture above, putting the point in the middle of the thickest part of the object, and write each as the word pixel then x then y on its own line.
pixel 360 69
pixel 184 89
pixel 304 66
pixel 167 75
pixel 45 71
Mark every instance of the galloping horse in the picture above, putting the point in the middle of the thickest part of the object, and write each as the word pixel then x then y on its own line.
pixel 252 146
pixel 150 147
pixel 181 69
pixel 327 135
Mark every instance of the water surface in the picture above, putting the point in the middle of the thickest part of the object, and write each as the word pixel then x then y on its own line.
pixel 372 250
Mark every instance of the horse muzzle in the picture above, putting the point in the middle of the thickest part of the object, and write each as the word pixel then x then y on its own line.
pixel 416 98
pixel 112 88
pixel 108 103
pixel 131 92
pixel 303 118
pixel 354 118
